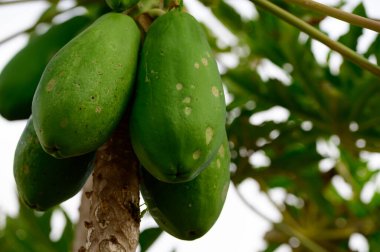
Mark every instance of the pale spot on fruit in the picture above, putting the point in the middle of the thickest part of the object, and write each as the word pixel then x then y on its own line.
pixel 215 91
pixel 190 205
pixel 204 61
pixel 192 86
pixel 98 109
pixel 208 55
pixel 187 111
pixel 196 154
pixel 51 84
pixel 196 65
pixel 218 163
pixel 25 169
pixel 209 135
pixel 221 151
pixel 187 100
pixel 179 86
pixel 64 123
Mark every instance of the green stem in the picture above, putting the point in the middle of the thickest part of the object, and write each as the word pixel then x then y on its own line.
pixel 344 171
pixel 155 12
pixel 318 35
pixel 5 40
pixel 308 243
pixel 339 14
pixel 18 1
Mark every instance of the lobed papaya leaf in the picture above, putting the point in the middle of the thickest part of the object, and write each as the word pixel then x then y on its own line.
pixel 29 231
pixel 271 247
pixel 374 241
pixel 64 243
pixel 148 237
pixel 374 49
pixel 374 203
pixel 229 17
pixel 350 39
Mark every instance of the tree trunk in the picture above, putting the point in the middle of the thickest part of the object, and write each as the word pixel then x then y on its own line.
pixel 113 219
pixel 110 211
pixel 84 210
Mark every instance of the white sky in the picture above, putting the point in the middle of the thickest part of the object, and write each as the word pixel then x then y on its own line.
pixel 237 227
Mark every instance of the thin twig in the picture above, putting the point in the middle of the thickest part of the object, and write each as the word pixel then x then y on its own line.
pixel 30 29
pixel 339 14
pixel 318 35
pixel 5 40
pixel 18 1
pixel 308 243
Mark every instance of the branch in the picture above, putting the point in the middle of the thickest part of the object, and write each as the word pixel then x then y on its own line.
pixel 318 35
pixel 18 1
pixel 114 218
pixel 339 14
pixel 5 40
pixel 308 243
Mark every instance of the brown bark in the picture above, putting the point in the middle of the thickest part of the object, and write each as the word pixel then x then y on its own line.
pixel 114 216
pixel 84 210
pixel 110 212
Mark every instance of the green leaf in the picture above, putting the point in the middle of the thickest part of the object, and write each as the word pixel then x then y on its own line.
pixel 350 39
pixel 229 17
pixel 30 230
pixel 148 237
pixel 374 49
pixel 64 244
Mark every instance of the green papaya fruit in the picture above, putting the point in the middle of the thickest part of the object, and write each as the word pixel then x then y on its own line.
pixel 121 5
pixel 21 75
pixel 178 116
pixel 42 180
pixel 85 88
pixel 188 210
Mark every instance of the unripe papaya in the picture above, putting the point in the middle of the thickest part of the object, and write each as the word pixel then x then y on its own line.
pixel 20 77
pixel 188 210
pixel 121 5
pixel 42 180
pixel 85 88
pixel 178 116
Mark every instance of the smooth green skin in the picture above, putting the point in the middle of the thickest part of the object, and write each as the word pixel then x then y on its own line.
pixel 121 5
pixel 188 210
pixel 20 77
pixel 42 180
pixel 178 117
pixel 85 88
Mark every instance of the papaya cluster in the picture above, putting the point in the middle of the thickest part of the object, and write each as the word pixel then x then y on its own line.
pixel 170 84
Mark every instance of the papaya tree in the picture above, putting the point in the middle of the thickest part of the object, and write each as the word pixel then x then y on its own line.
pixel 169 132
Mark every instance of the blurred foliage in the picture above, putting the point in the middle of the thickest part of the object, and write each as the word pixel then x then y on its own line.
pixel 325 108
pixel 332 119
pixel 30 231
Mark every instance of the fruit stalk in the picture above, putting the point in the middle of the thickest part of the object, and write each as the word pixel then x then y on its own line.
pixel 339 14
pixel 114 217
pixel 346 52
